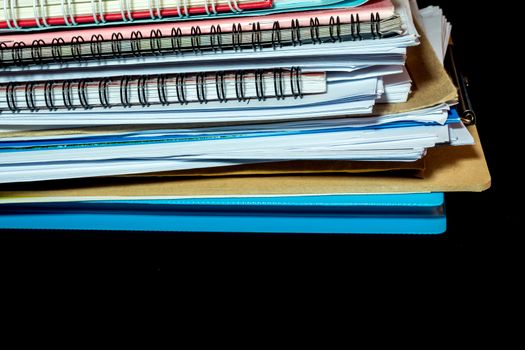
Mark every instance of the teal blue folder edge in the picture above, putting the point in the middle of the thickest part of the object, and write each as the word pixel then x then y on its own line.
pixel 361 200
pixel 348 214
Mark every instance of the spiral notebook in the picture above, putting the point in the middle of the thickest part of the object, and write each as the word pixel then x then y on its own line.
pixel 215 38
pixel 194 37
pixel 42 14
pixel 185 90
pixel 339 65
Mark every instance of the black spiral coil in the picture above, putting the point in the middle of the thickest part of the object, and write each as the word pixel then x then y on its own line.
pixel 236 36
pixel 56 49
pixel 142 92
pixel 138 45
pixel 296 32
pixel 10 97
pixel 314 30
pixel 256 36
pixel 135 40
pixel 295 82
pixel 76 93
pixel 259 85
pixel 103 92
pixel 17 52
pixel 220 86
pixel 355 25
pixel 161 90
pixel 176 40
pixel 276 35
pixel 335 26
pixel 196 39
pixel 66 94
pixel 30 96
pixel 201 87
pixel 96 45
pixel 375 26
pixel 124 91
pixel 116 44
pixel 82 93
pixel 48 96
pixel 180 83
pixel 76 48
pixel 278 84
pixel 216 38
pixel 155 39
pixel 36 50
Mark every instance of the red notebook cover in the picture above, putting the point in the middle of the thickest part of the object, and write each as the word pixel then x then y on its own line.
pixel 145 14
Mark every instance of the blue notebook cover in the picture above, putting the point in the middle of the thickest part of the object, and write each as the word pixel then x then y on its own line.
pixel 340 214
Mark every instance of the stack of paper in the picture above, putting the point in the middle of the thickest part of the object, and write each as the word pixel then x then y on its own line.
pixel 274 98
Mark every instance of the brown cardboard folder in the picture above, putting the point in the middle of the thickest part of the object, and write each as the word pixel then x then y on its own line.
pixel 448 169
pixel 295 167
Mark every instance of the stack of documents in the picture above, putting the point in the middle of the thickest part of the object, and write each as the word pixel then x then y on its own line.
pixel 154 100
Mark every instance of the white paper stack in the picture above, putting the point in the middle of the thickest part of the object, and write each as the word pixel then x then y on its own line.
pixel 293 99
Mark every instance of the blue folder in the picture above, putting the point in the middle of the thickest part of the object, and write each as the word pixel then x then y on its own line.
pixel 338 214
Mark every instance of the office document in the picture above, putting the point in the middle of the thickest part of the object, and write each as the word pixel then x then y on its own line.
pixel 141 108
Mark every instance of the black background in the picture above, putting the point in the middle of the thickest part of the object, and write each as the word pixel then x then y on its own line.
pixel 480 225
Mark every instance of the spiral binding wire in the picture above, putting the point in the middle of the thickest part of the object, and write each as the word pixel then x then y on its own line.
pixel 96 45
pixel 239 86
pixel 125 84
pixel 236 36
pixel 176 40
pixel 155 42
pixel 10 97
pixel 201 87
pixel 154 7
pixel 30 96
pixel 375 26
pixel 355 25
pixel 40 14
pixel 278 83
pixel 196 39
pixel 143 94
pixel 76 47
pixel 161 89
pixel 256 36
pixel 314 30
pixel 66 94
pixel 180 84
pixel 259 85
pixel 276 35
pixel 138 45
pixel 216 34
pixel 48 95
pixel 220 87
pixel 296 32
pixel 103 92
pixel 10 18
pixel 56 49
pixel 124 91
pixel 335 25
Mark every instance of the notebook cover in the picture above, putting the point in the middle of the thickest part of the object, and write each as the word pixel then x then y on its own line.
pixel 358 214
pixel 384 8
